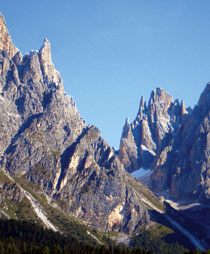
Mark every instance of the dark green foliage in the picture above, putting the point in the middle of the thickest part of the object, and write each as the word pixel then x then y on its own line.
pixel 156 244
pixel 22 237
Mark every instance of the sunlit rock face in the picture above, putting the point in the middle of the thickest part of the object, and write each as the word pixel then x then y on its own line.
pixel 151 132
pixel 44 140
pixel 5 39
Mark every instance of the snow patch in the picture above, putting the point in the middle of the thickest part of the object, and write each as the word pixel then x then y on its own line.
pixel 179 206
pixel 147 149
pixel 140 172
pixel 194 240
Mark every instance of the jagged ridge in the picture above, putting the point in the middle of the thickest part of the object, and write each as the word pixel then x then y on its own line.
pixel 151 131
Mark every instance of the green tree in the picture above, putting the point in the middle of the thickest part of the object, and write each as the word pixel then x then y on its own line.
pixel 45 250
pixel 1 248
pixel 9 248
pixel 24 248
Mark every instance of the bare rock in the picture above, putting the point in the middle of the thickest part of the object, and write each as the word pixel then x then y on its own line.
pixel 5 39
pixel 48 69
pixel 143 140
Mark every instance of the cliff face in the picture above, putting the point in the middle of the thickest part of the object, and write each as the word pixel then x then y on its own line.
pixel 186 168
pixel 45 141
pixel 5 39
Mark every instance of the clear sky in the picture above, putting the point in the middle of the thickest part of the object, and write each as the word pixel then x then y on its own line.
pixel 111 52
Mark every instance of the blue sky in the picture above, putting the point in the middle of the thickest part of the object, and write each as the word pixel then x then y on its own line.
pixel 111 52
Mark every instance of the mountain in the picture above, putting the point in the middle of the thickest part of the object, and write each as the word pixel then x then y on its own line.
pixel 186 168
pixel 173 142
pixel 167 148
pixel 46 145
pixel 151 131
pixel 58 172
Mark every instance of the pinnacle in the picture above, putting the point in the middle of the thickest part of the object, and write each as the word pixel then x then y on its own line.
pixel 183 109
pixel 49 72
pixel 159 91
pixel 142 103
pixel 205 95
pixel 127 121
pixel 46 43
pixel 2 18
pixel 45 46
pixel 142 106
pixel 5 39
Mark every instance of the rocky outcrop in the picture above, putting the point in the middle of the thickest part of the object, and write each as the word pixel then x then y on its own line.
pixel 144 140
pixel 10 191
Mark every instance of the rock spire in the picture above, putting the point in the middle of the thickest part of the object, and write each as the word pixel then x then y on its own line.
pixel 5 39
pixel 48 69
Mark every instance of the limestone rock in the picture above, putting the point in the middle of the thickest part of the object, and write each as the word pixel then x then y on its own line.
pixel 185 172
pixel 128 149
pixel 48 69
pixel 5 39
pixel 143 140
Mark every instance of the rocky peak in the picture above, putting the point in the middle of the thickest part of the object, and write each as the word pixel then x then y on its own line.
pixel 142 140
pixel 159 103
pixel 127 124
pixel 203 105
pixel 204 95
pixel 5 39
pixel 142 108
pixel 183 109
pixel 126 128
pixel 159 94
pixel 47 66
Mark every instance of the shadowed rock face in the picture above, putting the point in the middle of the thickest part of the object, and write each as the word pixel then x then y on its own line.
pixel 44 140
pixel 186 170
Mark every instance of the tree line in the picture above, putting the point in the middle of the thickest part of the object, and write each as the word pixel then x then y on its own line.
pixel 24 237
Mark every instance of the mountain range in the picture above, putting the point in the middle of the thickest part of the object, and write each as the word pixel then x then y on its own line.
pixel 55 169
